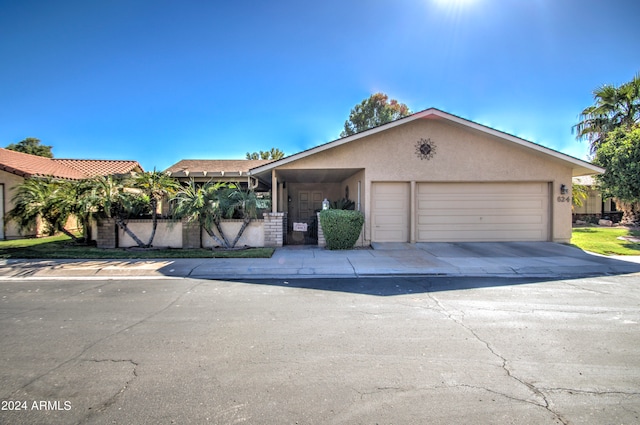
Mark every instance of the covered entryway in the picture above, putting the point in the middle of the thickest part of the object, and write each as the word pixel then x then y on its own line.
pixel 468 212
pixel 390 212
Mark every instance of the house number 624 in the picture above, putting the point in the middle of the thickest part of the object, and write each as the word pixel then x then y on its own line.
pixel 563 199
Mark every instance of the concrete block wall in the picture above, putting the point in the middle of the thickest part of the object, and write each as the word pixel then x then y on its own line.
pixel 106 233
pixel 190 234
pixel 274 228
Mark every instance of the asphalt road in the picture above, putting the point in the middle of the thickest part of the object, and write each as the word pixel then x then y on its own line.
pixel 342 351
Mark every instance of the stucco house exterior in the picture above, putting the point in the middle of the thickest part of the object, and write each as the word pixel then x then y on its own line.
pixel 595 206
pixel 432 177
pixel 15 167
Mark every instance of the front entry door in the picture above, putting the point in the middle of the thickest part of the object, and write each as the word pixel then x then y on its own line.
pixel 309 201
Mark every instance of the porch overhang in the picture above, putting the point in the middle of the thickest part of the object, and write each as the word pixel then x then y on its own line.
pixel 324 175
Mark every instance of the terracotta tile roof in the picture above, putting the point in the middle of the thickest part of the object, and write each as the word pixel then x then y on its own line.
pixel 101 167
pixel 205 167
pixel 26 165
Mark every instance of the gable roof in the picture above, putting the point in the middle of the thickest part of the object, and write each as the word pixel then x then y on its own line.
pixel 26 165
pixel 101 167
pixel 579 166
pixel 214 167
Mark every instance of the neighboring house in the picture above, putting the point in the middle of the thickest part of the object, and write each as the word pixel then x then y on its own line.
pixel 432 177
pixel 17 166
pixel 594 206
pixel 234 171
pixel 223 170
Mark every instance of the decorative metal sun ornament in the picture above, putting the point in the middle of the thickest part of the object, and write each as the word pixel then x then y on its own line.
pixel 425 149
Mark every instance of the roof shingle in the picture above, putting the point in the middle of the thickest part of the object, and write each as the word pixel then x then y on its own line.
pixel 26 165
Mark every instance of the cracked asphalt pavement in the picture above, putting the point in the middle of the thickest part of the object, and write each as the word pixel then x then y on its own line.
pixel 435 350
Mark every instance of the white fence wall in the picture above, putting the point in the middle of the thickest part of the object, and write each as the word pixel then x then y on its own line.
pixel 168 233
pixel 253 235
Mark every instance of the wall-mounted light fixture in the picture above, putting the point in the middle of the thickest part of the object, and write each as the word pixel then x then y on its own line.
pixel 563 189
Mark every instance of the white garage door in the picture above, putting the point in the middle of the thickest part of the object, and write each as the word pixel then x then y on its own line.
pixel 457 212
pixel 390 212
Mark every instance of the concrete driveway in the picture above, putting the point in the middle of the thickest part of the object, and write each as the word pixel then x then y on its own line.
pixel 437 350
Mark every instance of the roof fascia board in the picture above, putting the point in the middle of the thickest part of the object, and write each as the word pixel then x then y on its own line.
pixel 517 140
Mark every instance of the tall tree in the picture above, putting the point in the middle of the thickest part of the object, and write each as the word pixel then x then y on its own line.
pixel 372 112
pixel 613 107
pixel 273 153
pixel 201 204
pixel 42 198
pixel 32 146
pixel 156 186
pixel 619 154
pixel 110 198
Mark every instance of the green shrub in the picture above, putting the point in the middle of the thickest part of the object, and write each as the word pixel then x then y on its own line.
pixel 341 227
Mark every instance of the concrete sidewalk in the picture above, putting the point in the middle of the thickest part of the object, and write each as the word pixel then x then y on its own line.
pixel 509 259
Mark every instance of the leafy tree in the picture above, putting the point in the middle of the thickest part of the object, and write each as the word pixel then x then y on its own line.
pixel 32 146
pixel 73 197
pixel 111 197
pixel 614 107
pixel 208 204
pixel 274 153
pixel 201 204
pixel 619 154
pixel 156 186
pixel 44 198
pixel 238 203
pixel 579 193
pixel 372 112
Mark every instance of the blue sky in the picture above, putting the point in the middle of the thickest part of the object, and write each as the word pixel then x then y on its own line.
pixel 159 81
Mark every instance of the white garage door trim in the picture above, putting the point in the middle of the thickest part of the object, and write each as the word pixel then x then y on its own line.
pixel 390 211
pixel 468 212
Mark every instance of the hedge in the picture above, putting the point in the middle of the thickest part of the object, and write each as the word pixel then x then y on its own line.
pixel 341 228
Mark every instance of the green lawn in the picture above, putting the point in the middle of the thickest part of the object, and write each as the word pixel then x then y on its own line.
pixel 61 247
pixel 603 240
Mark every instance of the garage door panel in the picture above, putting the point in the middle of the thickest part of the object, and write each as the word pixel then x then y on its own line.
pixel 390 212
pixel 475 235
pixel 469 189
pixel 454 212
pixel 484 220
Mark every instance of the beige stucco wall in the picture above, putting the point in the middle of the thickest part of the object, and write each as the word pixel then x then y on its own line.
pixel 462 155
pixel 168 233
pixel 252 236
pixel 591 205
pixel 10 181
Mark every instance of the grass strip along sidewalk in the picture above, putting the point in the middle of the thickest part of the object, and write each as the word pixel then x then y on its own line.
pixel 601 240
pixel 62 247
pixel 605 240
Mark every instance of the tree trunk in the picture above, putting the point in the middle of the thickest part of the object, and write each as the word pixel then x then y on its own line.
pixel 154 216
pixel 222 235
pixel 630 213
pixel 121 224
pixel 245 223
pixel 213 235
pixel 68 233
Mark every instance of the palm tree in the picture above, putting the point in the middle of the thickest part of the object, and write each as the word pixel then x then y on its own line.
pixel 243 203
pixel 201 204
pixel 156 186
pixel 614 107
pixel 42 198
pixel 71 197
pixel 109 199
